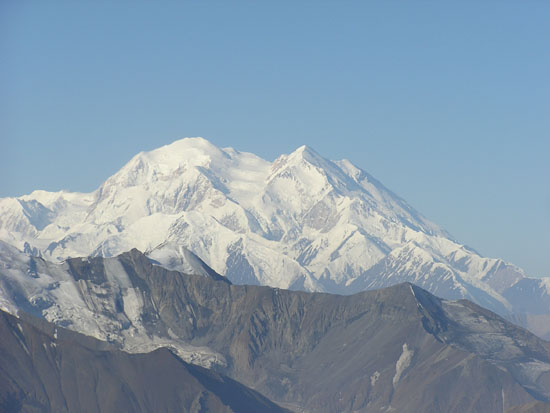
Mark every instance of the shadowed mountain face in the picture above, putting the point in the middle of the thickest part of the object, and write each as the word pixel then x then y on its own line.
pixel 49 369
pixel 397 348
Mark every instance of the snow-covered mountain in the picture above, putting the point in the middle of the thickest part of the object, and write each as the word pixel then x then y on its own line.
pixel 300 222
pixel 108 306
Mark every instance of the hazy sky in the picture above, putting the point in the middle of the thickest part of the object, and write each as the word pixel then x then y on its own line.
pixel 447 103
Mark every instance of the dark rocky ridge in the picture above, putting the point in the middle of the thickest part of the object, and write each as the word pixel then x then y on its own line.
pixel 49 369
pixel 323 352
pixel 397 348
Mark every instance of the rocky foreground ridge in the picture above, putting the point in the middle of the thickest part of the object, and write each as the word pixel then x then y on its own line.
pixel 396 348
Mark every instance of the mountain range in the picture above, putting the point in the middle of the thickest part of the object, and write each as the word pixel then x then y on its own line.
pixel 302 222
pixel 47 368
pixel 394 349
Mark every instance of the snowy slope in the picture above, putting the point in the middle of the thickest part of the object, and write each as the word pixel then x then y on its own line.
pixel 113 310
pixel 301 222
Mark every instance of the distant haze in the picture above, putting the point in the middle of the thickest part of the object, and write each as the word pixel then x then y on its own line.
pixel 446 104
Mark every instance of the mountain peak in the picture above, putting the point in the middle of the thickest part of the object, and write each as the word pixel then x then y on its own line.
pixel 304 148
pixel 307 154
pixel 304 157
pixel 190 143
pixel 192 151
pixel 169 161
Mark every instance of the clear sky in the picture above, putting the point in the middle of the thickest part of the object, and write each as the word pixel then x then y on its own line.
pixel 447 103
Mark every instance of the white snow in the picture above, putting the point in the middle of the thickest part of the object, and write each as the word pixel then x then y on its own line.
pixel 299 218
pixel 402 364
pixel 374 378
pixel 82 306
pixel 546 283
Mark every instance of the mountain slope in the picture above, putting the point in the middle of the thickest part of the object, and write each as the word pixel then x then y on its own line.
pixel 300 222
pixel 49 369
pixel 94 296
pixel 397 348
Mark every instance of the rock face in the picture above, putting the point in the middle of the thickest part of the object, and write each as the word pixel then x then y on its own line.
pixel 397 348
pixel 300 222
pixel 534 407
pixel 50 369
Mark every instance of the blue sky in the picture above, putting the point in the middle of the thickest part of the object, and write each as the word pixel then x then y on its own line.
pixel 447 103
